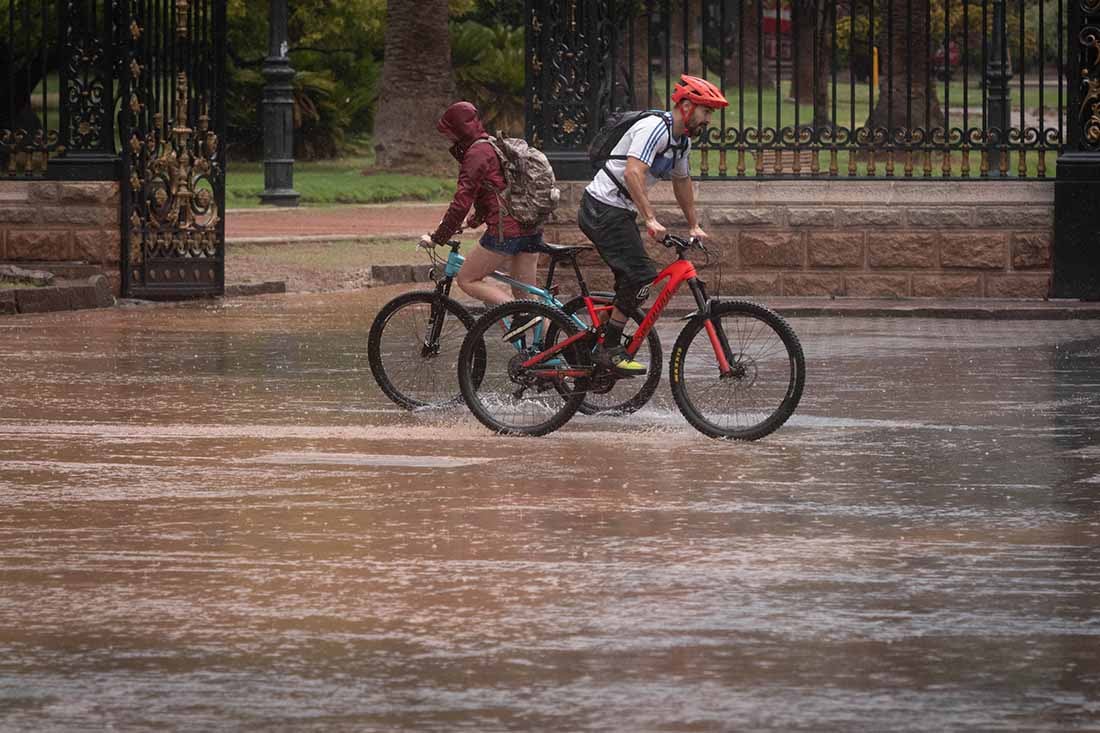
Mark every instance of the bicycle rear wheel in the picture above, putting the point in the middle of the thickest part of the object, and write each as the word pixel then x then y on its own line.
pixel 509 398
pixel 413 349
pixel 765 381
pixel 608 395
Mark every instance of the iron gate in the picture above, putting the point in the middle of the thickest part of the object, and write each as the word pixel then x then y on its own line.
pixel 171 123
pixel 127 90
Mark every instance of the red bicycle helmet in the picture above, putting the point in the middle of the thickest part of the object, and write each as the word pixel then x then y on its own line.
pixel 699 91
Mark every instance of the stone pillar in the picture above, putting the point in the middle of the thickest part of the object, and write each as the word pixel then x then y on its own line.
pixel 1076 265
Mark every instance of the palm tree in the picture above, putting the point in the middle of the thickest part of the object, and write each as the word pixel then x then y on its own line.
pixel 417 85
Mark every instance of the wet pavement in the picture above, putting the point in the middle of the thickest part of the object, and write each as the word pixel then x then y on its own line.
pixel 210 518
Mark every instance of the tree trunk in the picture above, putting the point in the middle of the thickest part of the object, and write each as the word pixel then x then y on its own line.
pixel 810 85
pixel 904 90
pixel 677 37
pixel 639 84
pixel 417 85
pixel 743 59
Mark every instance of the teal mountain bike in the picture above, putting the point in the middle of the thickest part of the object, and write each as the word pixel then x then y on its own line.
pixel 415 339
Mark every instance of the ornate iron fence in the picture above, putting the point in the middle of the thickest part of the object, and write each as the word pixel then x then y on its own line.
pixel 172 127
pixel 29 106
pixel 126 90
pixel 939 89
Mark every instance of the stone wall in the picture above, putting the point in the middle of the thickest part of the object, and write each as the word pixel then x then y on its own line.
pixel 858 238
pixel 51 221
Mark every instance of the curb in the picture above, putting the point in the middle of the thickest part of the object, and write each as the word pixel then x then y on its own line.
pixel 268 287
pixel 63 295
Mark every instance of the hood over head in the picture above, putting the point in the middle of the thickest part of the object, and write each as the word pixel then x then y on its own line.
pixel 461 125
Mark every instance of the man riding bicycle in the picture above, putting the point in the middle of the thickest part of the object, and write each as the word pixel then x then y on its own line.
pixel 655 147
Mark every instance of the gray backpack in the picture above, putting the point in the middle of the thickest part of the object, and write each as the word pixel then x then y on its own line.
pixel 530 192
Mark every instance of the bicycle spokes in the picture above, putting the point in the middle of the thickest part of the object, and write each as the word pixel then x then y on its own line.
pixel 739 373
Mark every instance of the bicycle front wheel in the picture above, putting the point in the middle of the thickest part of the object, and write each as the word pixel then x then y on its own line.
pixel 506 396
pixel 413 349
pixel 763 385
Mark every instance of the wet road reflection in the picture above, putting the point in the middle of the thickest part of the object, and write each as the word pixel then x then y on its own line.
pixel 210 517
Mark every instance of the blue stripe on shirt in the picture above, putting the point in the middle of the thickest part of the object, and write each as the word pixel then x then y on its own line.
pixel 651 144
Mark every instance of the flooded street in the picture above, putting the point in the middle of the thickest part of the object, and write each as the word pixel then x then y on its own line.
pixel 211 518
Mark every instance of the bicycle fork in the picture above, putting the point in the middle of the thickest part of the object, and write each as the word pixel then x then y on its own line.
pixel 718 341
pixel 430 347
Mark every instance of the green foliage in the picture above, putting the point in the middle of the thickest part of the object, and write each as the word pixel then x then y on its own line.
pixel 496 12
pixel 489 69
pixel 336 48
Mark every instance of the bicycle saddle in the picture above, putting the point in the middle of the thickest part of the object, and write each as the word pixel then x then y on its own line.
pixel 565 250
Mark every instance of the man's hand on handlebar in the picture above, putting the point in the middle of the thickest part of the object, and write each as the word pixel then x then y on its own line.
pixel 698 233
pixel 425 242
pixel 656 229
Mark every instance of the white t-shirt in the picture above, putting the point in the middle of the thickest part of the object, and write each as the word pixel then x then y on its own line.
pixel 647 140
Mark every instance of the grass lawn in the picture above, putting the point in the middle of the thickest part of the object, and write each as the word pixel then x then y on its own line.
pixel 330 182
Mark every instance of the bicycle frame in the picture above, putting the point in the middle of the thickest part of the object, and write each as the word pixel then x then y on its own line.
pixel 677 273
pixel 546 294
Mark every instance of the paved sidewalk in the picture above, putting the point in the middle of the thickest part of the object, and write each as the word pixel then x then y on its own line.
pixel 336 223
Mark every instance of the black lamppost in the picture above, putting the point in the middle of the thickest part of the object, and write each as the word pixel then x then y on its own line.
pixel 997 77
pixel 278 113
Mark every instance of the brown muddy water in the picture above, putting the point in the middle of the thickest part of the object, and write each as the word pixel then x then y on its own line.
pixel 211 519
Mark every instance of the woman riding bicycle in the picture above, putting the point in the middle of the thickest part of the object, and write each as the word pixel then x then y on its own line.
pixel 480 179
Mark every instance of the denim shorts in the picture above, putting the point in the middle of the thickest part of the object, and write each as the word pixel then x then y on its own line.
pixel 512 245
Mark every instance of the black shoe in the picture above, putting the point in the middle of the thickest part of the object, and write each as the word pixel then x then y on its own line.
pixel 615 359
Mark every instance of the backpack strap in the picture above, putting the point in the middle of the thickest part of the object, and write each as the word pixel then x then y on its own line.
pixel 614 179
pixel 502 205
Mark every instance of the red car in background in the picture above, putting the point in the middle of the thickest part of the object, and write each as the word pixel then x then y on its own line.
pixel 953 56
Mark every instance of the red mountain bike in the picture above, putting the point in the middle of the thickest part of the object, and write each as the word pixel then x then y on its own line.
pixel 737 369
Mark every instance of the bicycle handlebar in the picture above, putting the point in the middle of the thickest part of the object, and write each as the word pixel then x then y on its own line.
pixel 671 240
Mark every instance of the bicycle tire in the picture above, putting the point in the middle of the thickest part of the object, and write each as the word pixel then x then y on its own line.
pixel 497 391
pixel 742 321
pixel 440 388
pixel 593 404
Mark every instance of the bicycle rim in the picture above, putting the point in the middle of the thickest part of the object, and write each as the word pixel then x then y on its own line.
pixel 767 376
pixel 507 399
pixel 412 369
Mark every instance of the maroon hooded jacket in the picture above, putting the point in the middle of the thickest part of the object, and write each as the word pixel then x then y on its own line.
pixel 479 177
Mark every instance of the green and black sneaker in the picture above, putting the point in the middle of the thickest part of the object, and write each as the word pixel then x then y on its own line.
pixel 615 359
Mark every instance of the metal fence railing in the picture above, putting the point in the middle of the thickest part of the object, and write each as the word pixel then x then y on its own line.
pixel 843 88
pixel 30 102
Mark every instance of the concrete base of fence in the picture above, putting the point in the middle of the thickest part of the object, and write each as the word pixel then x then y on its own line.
pixel 888 238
